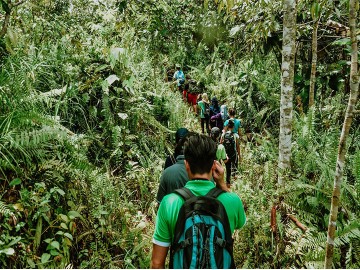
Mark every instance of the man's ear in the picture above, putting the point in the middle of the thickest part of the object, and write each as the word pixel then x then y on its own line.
pixel 213 167
pixel 187 167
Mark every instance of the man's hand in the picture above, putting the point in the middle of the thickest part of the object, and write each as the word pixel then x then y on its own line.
pixel 218 175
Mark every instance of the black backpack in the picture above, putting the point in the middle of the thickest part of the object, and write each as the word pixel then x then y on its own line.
pixel 229 144
pixel 202 237
pixel 207 109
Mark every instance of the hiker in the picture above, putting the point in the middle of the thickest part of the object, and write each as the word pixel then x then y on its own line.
pixel 174 176
pixel 179 77
pixel 237 123
pixel 204 113
pixel 171 159
pixel 201 166
pixel 230 140
pixel 214 107
pixel 185 92
pixel 216 121
pixel 214 110
pixel 191 86
pixel 224 112
pixel 220 152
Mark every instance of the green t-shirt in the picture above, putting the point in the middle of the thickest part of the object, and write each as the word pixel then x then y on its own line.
pixel 221 152
pixel 170 206
pixel 201 104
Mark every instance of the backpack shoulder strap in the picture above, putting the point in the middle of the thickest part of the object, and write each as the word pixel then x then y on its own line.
pixel 184 192
pixel 173 159
pixel 215 192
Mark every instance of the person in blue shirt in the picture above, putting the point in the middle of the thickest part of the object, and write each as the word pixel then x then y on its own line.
pixel 179 77
pixel 237 123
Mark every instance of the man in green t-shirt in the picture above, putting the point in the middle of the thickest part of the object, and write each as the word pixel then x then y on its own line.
pixel 201 166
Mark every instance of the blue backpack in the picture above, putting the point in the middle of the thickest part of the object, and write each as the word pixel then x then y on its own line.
pixel 202 233
pixel 181 77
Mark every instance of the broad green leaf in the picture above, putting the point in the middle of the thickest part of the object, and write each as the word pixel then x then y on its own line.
pixel 63 225
pixel 115 54
pixel 111 79
pixel 64 217
pixel 48 240
pixel 30 262
pixel 15 182
pixel 68 235
pixel 53 252
pixel 45 257
pixel 341 42
pixel 55 244
pixel 7 251
pixel 74 214
pixel 58 190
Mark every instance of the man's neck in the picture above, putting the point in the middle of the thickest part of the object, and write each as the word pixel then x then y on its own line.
pixel 202 176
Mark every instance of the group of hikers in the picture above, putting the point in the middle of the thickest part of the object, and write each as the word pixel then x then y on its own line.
pixel 197 213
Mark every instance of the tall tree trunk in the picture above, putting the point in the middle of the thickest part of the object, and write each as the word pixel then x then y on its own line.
pixel 354 92
pixel 313 63
pixel 287 85
pixel 7 7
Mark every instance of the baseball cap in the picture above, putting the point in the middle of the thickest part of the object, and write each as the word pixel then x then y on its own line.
pixel 180 133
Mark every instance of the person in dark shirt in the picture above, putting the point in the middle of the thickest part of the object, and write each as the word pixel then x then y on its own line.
pixel 174 176
pixel 171 159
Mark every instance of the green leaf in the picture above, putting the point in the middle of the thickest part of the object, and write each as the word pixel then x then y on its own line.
pixel 14 241
pixel 48 240
pixel 234 30
pixel 114 55
pixel 111 79
pixel 341 42
pixel 315 10
pixel 7 251
pixel 15 182
pixel 63 225
pixel 60 191
pixel 64 217
pixel 45 257
pixel 68 235
pixel 30 262
pixel 55 244
pixel 73 214
pixel 53 252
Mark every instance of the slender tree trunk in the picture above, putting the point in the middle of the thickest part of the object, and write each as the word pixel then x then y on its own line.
pixel 287 85
pixel 313 63
pixel 354 92
pixel 7 7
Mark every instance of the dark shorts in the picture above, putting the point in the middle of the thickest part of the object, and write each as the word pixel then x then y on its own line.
pixel 192 98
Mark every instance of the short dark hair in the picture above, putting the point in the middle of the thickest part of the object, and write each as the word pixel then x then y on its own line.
pixel 179 148
pixel 232 112
pixel 200 153
pixel 231 123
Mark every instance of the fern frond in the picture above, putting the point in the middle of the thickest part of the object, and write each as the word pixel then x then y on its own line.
pixel 4 210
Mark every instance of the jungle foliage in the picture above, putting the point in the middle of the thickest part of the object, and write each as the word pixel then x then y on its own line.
pixel 86 119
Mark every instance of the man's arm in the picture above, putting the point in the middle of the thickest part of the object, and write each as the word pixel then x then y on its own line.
pixel 158 257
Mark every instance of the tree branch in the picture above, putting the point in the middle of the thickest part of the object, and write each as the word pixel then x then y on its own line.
pixel 18 3
pixel 297 223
